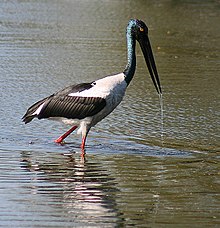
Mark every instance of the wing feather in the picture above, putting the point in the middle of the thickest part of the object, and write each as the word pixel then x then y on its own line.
pixel 60 104
pixel 72 107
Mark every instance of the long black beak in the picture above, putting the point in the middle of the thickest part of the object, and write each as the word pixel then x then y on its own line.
pixel 149 59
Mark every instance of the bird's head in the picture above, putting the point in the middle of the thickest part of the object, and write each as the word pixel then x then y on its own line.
pixel 139 31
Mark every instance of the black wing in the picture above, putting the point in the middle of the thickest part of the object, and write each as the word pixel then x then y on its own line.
pixel 61 104
pixel 72 107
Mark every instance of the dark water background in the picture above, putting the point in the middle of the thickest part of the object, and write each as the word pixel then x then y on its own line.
pixel 140 170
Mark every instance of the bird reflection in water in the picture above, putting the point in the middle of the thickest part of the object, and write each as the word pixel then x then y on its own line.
pixel 71 184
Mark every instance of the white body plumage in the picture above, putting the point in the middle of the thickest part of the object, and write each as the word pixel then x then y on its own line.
pixel 111 88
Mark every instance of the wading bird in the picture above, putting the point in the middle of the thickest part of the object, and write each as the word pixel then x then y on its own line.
pixel 85 104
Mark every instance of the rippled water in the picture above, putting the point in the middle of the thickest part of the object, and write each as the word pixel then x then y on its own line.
pixel 140 170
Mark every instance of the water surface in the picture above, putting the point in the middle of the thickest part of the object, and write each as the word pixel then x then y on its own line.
pixel 139 170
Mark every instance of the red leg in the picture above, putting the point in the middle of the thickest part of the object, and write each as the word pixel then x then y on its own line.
pixel 62 137
pixel 83 142
pixel 84 137
pixel 83 147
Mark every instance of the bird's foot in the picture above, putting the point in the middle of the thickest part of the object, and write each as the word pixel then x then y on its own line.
pixel 59 140
pixel 83 153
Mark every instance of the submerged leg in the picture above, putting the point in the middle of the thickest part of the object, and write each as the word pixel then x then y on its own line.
pixel 83 142
pixel 85 127
pixel 83 145
pixel 62 137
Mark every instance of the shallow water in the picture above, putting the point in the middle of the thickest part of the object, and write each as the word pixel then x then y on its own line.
pixel 140 170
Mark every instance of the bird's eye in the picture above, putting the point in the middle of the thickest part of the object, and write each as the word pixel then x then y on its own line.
pixel 141 29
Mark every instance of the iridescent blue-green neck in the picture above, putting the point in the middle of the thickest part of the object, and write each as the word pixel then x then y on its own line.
pixel 131 64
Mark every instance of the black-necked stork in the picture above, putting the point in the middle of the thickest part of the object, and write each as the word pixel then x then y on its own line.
pixel 84 105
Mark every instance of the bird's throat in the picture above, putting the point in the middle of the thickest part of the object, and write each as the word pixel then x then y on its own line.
pixel 131 58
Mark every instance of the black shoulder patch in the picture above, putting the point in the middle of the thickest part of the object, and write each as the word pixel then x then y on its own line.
pixel 74 89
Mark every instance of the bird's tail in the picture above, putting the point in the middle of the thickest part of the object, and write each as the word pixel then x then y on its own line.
pixel 31 112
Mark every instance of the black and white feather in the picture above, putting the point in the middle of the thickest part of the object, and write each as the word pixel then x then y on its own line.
pixel 83 104
pixel 61 104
